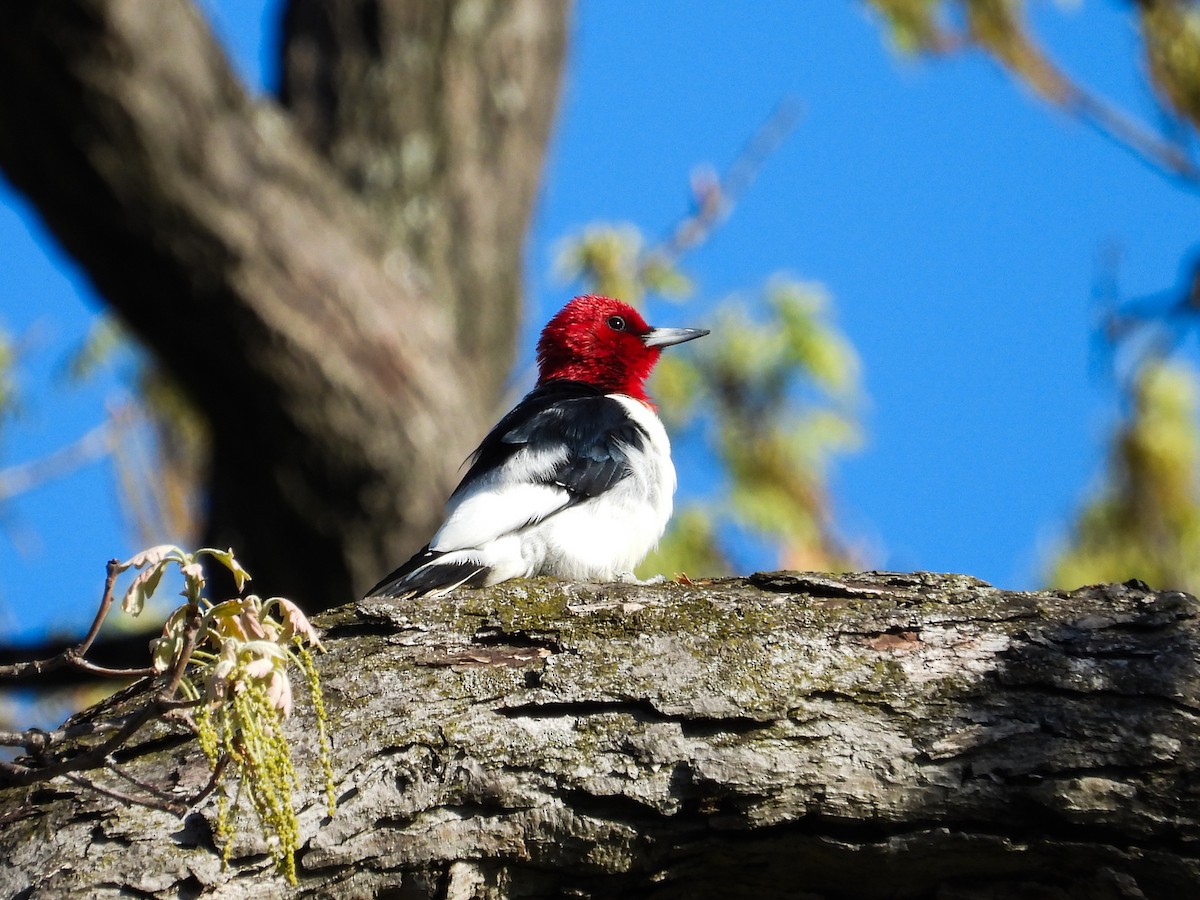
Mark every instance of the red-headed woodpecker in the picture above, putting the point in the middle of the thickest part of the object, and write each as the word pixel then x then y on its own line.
pixel 577 480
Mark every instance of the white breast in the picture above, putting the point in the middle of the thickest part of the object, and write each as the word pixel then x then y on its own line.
pixel 608 535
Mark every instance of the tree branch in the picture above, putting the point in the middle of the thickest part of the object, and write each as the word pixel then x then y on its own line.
pixel 319 350
pixel 437 116
pixel 73 657
pixel 784 735
pixel 23 477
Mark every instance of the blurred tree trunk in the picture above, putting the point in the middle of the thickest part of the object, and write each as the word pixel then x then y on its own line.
pixel 337 283
pixel 877 735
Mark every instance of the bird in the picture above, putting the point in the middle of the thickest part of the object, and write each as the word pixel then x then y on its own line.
pixel 576 481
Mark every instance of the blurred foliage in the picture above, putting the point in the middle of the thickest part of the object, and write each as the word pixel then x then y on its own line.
pixel 1170 31
pixel 1170 51
pixel 9 389
pixel 617 262
pixel 17 478
pixel 160 454
pixel 772 391
pixel 157 443
pixel 1144 521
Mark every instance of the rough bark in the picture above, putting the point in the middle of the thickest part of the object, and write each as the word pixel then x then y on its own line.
pixel 437 115
pixel 303 325
pixel 873 735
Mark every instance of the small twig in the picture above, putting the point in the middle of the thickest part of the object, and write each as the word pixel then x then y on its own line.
pixel 89 759
pixel 23 477
pixel 84 666
pixel 37 740
pixel 74 656
pixel 182 803
pixel 111 571
pixel 190 631
pixel 13 738
pixel 10 772
pixel 162 703
pixel 180 703
pixel 1127 132
pixel 217 772
pixel 716 199
pixel 154 801
pixel 85 729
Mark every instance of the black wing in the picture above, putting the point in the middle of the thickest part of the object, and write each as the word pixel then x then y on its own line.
pixel 594 429
pixel 423 573
pixel 588 433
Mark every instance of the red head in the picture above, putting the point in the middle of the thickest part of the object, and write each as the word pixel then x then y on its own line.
pixel 606 343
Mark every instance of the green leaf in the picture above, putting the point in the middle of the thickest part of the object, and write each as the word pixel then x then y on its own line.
pixel 226 558
pixel 142 587
pixel 153 556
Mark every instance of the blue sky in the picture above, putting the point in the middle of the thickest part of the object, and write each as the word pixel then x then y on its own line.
pixel 955 220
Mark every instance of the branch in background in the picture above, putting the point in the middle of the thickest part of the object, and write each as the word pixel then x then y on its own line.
pixel 615 259
pixel 73 657
pixel 1126 131
pixel 998 29
pixel 714 197
pixel 24 477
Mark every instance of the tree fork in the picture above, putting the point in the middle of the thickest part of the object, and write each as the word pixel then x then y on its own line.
pixel 323 350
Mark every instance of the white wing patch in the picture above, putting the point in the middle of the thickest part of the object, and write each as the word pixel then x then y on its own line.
pixel 504 502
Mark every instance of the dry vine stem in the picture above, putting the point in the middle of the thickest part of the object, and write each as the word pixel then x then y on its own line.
pixel 39 743
pixel 224 678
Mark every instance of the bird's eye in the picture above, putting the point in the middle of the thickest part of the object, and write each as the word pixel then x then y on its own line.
pixel 616 323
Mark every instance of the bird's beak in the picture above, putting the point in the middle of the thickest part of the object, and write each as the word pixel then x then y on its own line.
pixel 665 337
